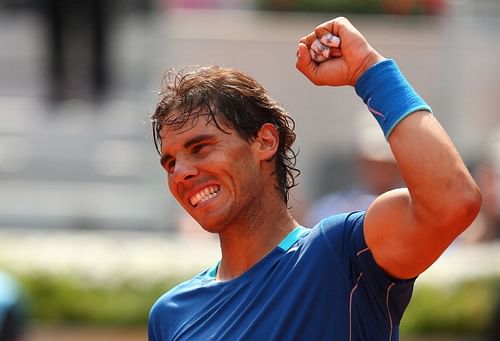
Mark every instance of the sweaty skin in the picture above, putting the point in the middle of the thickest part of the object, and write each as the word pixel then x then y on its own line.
pixel 247 212
pixel 406 229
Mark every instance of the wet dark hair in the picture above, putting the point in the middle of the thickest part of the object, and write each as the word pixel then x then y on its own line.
pixel 231 97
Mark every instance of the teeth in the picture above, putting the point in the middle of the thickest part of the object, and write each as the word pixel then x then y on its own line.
pixel 204 195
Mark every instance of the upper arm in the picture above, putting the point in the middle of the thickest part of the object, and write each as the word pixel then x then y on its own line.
pixel 407 229
pixel 401 244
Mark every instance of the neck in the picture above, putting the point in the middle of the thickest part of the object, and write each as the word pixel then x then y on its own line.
pixel 244 245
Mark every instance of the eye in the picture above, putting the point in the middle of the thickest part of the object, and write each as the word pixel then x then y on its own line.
pixel 197 148
pixel 169 166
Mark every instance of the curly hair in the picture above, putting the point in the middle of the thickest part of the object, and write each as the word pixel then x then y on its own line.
pixel 235 98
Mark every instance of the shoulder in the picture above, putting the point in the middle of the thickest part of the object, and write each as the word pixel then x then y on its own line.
pixel 167 304
pixel 337 237
pixel 344 234
pixel 348 219
pixel 171 307
pixel 344 229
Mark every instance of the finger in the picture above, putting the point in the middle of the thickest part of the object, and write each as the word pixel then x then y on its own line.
pixel 335 52
pixel 308 39
pixel 318 57
pixel 330 40
pixel 324 28
pixel 336 26
pixel 304 63
pixel 319 48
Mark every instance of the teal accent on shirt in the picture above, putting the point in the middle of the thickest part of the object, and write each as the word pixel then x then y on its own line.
pixel 285 245
pixel 292 237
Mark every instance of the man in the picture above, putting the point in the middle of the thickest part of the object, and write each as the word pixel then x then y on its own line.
pixel 225 145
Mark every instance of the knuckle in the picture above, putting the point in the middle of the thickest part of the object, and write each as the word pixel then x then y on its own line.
pixel 316 81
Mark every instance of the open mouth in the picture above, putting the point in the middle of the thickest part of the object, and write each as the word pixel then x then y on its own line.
pixel 205 194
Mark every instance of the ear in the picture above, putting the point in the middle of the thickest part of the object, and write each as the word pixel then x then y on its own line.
pixel 267 141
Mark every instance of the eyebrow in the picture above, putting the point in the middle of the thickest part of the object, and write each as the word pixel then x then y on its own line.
pixel 197 139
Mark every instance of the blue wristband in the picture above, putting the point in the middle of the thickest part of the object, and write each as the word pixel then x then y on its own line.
pixel 388 95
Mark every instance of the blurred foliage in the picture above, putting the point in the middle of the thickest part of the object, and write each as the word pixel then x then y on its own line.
pixel 66 299
pixel 360 6
pixel 400 7
pixel 463 308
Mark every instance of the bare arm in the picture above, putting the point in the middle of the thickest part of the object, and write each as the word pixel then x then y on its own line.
pixel 406 229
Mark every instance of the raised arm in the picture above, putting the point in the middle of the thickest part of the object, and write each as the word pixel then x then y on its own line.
pixel 406 229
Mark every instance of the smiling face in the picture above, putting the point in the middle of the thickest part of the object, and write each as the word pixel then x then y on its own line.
pixel 217 176
pixel 235 98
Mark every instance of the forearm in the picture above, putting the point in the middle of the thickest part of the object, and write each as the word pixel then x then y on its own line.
pixel 440 186
pixel 436 177
pixel 406 230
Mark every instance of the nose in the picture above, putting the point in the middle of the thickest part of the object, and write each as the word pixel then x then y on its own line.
pixel 183 171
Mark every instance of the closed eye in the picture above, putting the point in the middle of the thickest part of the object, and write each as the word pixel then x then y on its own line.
pixel 169 166
pixel 198 147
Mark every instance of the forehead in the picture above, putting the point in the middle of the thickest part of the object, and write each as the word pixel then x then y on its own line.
pixel 178 134
pixel 193 126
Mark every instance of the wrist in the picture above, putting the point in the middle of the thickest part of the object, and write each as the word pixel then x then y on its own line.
pixel 388 95
pixel 370 60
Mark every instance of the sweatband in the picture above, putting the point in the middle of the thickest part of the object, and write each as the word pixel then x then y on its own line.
pixel 388 95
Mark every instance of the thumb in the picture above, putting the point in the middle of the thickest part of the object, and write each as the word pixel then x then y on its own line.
pixel 305 63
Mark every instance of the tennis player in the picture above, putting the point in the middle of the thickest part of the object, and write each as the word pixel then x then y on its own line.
pixel 226 148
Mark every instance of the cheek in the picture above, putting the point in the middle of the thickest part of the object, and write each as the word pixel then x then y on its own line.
pixel 171 187
pixel 250 177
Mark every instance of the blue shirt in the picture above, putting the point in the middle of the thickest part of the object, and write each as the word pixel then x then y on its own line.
pixel 318 284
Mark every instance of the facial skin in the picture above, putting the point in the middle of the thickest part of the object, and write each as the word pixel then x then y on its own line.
pixel 218 178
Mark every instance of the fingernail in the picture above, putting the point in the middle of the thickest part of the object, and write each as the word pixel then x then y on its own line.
pixel 298 53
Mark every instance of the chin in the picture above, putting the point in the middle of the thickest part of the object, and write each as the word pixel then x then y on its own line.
pixel 211 228
pixel 212 225
pixel 213 220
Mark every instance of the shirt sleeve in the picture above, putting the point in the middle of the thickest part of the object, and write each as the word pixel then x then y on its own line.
pixel 344 233
pixel 152 332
